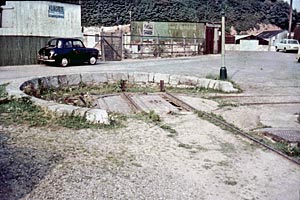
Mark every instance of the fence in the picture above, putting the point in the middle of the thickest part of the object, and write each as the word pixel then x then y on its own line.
pixel 116 46
pixel 20 50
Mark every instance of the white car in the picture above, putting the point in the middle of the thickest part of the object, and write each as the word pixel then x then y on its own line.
pixel 287 45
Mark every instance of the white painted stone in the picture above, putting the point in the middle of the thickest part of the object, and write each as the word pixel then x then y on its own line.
pixel 212 84
pixel 52 82
pixel 44 83
pixel 62 80
pixel 35 83
pixel 131 77
pixel 175 80
pixel 80 111
pixel 217 86
pixel 151 78
pixel 120 76
pixel 15 93
pixel 87 78
pixel 74 79
pixel 100 77
pixel 51 107
pixel 110 77
pixel 158 77
pixel 140 77
pixel 97 116
pixel 188 80
pixel 227 87
pixel 203 82
pixel 64 110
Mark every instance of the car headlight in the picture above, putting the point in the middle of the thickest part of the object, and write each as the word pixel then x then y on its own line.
pixel 52 53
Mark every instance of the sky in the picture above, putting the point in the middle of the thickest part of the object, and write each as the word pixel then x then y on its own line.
pixel 296 4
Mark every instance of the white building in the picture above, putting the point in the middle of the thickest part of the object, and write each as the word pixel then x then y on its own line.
pixel 26 26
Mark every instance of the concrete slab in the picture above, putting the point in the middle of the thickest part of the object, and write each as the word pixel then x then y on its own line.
pixel 154 102
pixel 114 104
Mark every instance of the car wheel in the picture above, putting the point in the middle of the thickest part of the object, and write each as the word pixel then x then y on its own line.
pixel 64 62
pixel 93 60
pixel 276 49
pixel 284 50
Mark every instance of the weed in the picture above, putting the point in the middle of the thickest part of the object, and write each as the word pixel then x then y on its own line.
pixel 230 182
pixel 23 111
pixel 3 92
pixel 227 147
pixel 186 146
pixel 222 105
pixel 168 128
pixel 153 116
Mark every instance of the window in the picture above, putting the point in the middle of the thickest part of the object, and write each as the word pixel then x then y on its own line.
pixel 77 43
pixel 52 43
pixel 2 3
pixel 68 44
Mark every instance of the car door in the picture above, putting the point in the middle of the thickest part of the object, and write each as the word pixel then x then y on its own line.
pixel 79 51
pixel 281 45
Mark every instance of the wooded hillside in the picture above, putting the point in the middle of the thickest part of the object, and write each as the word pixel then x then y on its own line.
pixel 241 14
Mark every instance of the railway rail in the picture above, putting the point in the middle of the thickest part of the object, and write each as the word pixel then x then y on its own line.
pixel 229 126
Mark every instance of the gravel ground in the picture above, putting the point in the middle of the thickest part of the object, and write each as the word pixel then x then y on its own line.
pixel 141 161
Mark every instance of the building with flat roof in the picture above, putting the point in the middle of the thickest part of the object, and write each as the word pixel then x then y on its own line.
pixel 26 26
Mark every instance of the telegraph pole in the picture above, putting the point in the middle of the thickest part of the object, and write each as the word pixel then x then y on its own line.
pixel 223 70
pixel 290 19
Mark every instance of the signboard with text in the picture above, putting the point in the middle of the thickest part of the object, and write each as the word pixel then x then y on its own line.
pixel 56 11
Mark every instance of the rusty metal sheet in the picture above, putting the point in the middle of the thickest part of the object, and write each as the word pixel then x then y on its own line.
pixel 153 102
pixel 287 135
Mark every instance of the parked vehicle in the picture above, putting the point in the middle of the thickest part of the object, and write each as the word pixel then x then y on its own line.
pixel 63 51
pixel 298 55
pixel 287 45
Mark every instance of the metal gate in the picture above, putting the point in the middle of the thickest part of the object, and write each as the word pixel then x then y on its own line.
pixel 111 47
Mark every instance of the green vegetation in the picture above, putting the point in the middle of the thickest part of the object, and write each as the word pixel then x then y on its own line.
pixel 23 111
pixel 186 146
pixel 3 93
pixel 70 95
pixel 288 149
pixel 155 118
pixel 243 15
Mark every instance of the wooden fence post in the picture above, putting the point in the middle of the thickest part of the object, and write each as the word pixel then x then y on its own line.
pixel 102 46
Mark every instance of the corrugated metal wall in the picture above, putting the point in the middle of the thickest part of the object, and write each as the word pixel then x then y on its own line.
pixel 20 50
pixel 169 29
pixel 33 18
pixel 28 25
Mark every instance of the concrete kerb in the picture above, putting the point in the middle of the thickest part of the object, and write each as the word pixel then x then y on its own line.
pixel 98 115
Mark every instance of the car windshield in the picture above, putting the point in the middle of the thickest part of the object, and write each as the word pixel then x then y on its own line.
pixel 52 43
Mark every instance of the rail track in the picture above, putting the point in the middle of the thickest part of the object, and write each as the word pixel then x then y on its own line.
pixel 227 125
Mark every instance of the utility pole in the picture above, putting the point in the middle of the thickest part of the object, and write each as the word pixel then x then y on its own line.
pixel 290 19
pixel 223 70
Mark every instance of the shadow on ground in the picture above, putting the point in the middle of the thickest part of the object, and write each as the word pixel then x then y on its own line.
pixel 22 168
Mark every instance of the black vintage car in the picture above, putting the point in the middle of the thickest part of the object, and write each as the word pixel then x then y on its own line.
pixel 63 51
